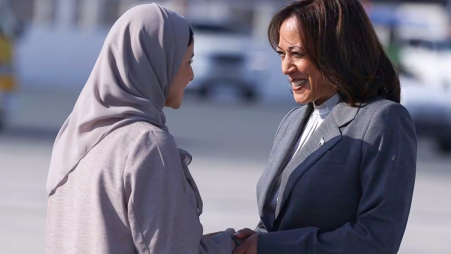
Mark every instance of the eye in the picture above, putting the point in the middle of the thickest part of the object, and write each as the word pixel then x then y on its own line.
pixel 280 53
pixel 191 62
pixel 298 54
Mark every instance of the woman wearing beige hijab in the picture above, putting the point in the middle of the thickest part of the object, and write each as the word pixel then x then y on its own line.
pixel 117 181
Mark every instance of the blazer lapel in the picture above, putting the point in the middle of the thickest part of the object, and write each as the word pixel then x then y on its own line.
pixel 321 141
pixel 279 157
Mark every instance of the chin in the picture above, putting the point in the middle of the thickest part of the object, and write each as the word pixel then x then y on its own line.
pixel 177 105
pixel 173 105
pixel 301 99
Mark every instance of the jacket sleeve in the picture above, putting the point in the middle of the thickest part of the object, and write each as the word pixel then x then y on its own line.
pixel 260 229
pixel 387 176
pixel 163 218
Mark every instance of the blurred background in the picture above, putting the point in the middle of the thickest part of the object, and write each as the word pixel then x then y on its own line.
pixel 230 113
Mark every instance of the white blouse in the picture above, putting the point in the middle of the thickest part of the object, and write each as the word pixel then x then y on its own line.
pixel 316 119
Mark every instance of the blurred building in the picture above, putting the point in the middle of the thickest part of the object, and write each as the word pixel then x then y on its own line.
pixel 253 15
pixel 92 14
pixel 59 30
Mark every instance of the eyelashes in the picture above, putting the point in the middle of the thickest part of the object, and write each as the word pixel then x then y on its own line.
pixel 295 54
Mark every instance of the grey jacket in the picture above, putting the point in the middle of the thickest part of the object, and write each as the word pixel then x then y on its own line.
pixel 350 193
pixel 131 194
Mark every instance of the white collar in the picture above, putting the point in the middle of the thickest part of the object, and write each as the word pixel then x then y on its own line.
pixel 326 107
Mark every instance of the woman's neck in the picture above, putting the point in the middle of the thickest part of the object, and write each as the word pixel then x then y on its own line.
pixel 320 101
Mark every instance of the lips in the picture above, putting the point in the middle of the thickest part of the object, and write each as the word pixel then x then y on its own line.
pixel 298 84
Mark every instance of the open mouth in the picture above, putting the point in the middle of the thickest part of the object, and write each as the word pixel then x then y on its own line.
pixel 299 84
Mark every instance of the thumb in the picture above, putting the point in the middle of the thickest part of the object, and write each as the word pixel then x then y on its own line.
pixel 244 233
pixel 230 231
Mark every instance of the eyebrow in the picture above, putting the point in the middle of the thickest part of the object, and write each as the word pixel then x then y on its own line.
pixel 291 47
pixel 192 55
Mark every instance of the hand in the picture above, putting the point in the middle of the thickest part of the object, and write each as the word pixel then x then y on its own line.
pixel 229 230
pixel 249 246
pixel 244 234
pixel 234 244
pixel 213 234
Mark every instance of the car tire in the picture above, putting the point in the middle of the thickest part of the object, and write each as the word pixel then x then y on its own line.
pixel 204 92
pixel 2 125
pixel 2 120
pixel 248 95
pixel 444 145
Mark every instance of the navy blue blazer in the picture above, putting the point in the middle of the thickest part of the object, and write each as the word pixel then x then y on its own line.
pixel 350 193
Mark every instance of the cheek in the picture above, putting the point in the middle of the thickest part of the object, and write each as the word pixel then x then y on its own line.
pixel 303 66
pixel 318 81
pixel 184 79
pixel 315 77
pixel 183 75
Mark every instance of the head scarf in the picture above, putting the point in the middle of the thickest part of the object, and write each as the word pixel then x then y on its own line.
pixel 129 82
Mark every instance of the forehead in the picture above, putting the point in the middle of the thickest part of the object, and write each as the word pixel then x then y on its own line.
pixel 289 33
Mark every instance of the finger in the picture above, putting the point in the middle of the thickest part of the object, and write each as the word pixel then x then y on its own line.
pixel 242 248
pixel 230 230
pixel 244 233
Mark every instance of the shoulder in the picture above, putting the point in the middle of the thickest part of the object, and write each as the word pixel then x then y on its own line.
pixel 295 113
pixel 146 138
pixel 145 131
pixel 384 116
pixel 384 111
pixel 154 149
pixel 289 117
pixel 152 136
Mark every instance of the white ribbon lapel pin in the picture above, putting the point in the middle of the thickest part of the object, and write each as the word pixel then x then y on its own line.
pixel 321 142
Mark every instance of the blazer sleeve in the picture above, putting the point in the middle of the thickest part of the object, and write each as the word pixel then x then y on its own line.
pixel 261 229
pixel 162 217
pixel 387 174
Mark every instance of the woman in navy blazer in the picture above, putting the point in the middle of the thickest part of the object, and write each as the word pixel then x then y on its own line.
pixel 341 172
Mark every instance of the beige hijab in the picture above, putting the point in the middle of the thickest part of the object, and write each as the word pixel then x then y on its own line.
pixel 129 83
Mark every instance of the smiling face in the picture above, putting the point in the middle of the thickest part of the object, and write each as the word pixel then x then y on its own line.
pixel 306 80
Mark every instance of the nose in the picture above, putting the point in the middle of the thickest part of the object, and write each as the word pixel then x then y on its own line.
pixel 287 65
pixel 192 74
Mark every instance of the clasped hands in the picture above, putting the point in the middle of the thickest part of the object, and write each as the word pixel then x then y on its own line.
pixel 247 239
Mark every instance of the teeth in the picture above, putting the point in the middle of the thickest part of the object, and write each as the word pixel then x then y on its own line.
pixel 300 82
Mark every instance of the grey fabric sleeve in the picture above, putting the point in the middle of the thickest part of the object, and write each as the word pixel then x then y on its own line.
pixel 162 211
pixel 388 169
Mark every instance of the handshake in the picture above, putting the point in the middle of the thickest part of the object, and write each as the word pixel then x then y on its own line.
pixel 244 241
